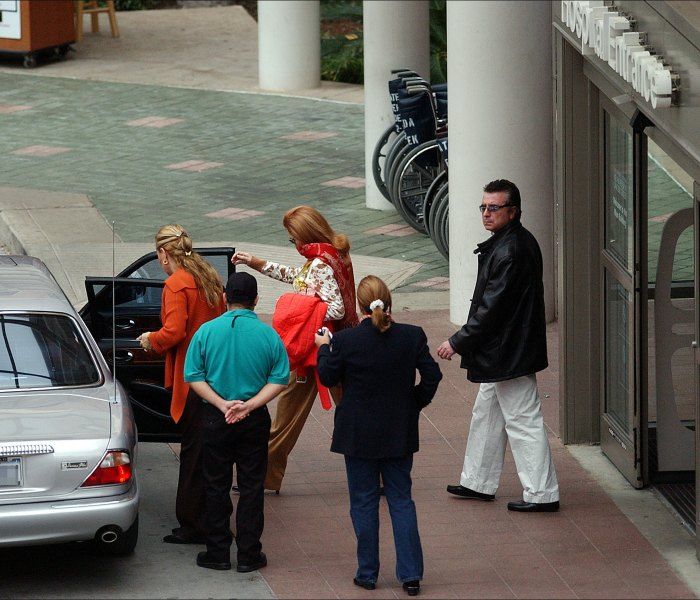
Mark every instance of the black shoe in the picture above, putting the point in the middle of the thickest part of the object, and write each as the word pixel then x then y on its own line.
pixel 203 560
pixel 254 566
pixel 522 506
pixel 412 587
pixel 463 492
pixel 174 538
pixel 368 585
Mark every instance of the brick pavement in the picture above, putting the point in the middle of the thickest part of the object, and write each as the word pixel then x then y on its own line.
pixel 116 142
pixel 215 49
pixel 147 155
pixel 589 549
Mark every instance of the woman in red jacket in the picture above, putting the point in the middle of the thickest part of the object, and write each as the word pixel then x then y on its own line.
pixel 192 295
pixel 327 273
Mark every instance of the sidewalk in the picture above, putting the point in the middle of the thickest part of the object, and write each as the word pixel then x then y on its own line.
pixel 225 165
pixel 206 48
pixel 589 549
pixel 119 135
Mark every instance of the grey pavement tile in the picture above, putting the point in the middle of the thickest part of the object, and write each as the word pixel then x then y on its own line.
pixel 121 169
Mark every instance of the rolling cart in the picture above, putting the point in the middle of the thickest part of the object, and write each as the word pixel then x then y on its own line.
pixel 29 29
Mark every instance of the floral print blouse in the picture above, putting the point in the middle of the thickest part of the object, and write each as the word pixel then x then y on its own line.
pixel 315 277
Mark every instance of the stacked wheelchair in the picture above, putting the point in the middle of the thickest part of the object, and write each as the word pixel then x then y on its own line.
pixel 410 160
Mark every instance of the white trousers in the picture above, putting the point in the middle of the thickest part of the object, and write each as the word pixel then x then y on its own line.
pixel 510 411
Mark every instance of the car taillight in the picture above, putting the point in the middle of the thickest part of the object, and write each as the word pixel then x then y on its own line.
pixel 114 468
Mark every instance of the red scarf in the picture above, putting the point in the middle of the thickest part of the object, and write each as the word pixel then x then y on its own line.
pixel 343 274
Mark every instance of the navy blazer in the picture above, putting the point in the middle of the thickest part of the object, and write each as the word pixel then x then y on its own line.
pixel 378 415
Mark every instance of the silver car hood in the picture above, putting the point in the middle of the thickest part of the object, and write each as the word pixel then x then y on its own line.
pixel 55 415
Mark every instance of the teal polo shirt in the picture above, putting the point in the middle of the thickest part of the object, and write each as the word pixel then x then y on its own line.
pixel 236 354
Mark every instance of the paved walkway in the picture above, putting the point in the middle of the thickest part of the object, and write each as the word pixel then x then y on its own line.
pixel 154 570
pixel 211 48
pixel 589 549
pixel 76 154
pixel 225 165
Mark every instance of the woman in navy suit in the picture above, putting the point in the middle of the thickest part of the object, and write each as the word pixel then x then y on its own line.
pixel 376 425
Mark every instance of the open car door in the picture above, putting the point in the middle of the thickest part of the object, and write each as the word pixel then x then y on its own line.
pixel 137 301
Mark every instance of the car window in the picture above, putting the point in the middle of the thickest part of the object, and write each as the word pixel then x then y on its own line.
pixel 153 270
pixel 41 351
pixel 129 296
pixel 149 270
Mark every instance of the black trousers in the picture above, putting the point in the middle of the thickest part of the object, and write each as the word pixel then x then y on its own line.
pixel 245 445
pixel 189 503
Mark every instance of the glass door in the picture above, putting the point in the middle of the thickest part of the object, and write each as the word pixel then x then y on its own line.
pixel 672 307
pixel 623 385
pixel 696 352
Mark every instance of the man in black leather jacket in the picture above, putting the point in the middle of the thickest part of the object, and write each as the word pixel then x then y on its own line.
pixel 502 345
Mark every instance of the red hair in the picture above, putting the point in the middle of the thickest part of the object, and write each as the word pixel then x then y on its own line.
pixel 308 226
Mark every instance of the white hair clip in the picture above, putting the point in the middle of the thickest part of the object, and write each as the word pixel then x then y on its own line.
pixel 376 304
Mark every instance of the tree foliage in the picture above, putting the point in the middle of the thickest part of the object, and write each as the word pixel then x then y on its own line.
pixel 133 4
pixel 342 53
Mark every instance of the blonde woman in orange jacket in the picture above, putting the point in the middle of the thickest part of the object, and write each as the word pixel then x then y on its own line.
pixel 192 295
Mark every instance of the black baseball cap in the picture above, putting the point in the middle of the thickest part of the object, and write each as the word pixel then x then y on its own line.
pixel 241 288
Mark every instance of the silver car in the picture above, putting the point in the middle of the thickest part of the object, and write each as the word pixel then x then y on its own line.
pixel 67 432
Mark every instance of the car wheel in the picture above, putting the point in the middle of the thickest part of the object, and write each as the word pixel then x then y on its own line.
pixel 112 541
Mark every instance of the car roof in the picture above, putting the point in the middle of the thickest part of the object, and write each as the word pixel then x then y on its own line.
pixel 27 285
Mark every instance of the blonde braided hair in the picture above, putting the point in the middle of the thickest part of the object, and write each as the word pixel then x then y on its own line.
pixel 178 244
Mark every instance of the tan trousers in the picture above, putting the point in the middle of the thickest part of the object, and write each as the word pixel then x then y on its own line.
pixel 293 408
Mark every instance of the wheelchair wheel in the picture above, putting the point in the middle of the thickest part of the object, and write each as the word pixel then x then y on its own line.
pixel 434 188
pixel 440 213
pixel 398 149
pixel 414 174
pixel 430 224
pixel 379 160
pixel 445 228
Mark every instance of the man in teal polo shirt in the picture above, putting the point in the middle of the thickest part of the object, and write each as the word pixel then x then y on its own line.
pixel 237 364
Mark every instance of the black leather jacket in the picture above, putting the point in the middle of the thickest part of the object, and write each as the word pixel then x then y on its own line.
pixel 505 334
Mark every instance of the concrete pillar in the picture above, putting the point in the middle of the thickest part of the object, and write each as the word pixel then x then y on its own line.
pixel 500 119
pixel 396 35
pixel 289 44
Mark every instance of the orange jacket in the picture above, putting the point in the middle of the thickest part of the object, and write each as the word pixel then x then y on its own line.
pixel 296 319
pixel 183 310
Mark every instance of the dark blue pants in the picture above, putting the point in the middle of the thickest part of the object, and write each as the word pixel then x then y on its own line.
pixel 363 483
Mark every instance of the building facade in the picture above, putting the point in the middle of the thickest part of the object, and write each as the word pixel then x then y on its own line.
pixel 627 166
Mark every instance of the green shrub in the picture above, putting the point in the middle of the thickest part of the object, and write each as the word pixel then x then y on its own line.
pixel 438 41
pixel 333 10
pixel 133 4
pixel 342 55
pixel 341 52
pixel 342 58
